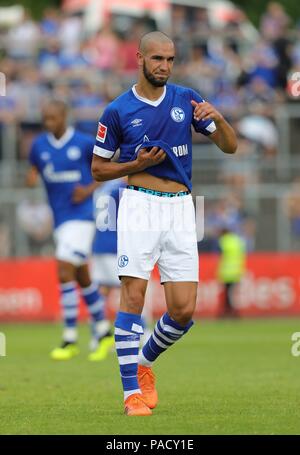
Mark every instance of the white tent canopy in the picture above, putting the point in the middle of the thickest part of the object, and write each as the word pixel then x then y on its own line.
pixel 219 11
pixel 11 15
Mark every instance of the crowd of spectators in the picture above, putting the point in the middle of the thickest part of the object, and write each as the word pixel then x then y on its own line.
pixel 244 76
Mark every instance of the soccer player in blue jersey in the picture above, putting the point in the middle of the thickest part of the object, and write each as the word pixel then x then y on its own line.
pixel 62 157
pixel 104 264
pixel 104 251
pixel 151 124
pixel 104 261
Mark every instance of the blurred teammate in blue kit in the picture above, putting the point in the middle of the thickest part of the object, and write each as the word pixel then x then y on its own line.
pixel 104 262
pixel 62 157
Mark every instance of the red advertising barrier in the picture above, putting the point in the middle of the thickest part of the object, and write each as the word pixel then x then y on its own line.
pixel 271 287
pixel 29 290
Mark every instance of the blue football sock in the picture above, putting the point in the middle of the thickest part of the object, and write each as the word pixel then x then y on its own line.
pixel 94 301
pixel 165 334
pixel 69 305
pixel 128 328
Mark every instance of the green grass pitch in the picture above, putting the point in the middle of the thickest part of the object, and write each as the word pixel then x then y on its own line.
pixel 224 377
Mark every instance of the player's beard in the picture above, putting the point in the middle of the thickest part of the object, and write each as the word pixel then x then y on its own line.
pixel 152 80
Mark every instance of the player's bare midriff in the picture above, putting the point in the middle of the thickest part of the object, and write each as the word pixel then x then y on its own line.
pixel 154 183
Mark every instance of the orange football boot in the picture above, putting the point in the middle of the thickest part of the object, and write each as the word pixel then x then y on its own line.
pixel 135 406
pixel 146 381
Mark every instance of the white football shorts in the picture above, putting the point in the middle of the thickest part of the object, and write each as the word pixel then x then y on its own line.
pixel 154 229
pixel 104 270
pixel 74 241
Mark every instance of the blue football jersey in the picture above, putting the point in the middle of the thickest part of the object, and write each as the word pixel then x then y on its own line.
pixel 131 120
pixel 64 164
pixel 106 211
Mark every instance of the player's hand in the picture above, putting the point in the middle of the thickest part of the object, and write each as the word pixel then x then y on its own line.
pixel 149 158
pixel 80 193
pixel 32 177
pixel 205 111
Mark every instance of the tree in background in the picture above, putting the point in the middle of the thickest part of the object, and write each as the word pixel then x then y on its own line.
pixel 256 8
pixel 35 7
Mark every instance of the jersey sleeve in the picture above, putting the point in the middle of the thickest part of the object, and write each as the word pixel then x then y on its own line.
pixel 33 155
pixel 205 127
pixel 108 134
pixel 90 142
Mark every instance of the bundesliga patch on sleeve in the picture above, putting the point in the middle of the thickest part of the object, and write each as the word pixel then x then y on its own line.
pixel 101 133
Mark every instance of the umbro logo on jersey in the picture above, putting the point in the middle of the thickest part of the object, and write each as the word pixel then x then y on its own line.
pixel 137 122
pixel 177 114
pixel 101 133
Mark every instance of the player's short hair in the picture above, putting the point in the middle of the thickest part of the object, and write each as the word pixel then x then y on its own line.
pixel 59 104
pixel 157 36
